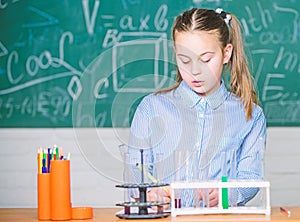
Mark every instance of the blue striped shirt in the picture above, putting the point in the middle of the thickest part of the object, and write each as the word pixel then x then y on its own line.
pixel 212 129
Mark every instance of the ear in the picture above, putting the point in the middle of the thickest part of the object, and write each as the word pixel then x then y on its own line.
pixel 227 53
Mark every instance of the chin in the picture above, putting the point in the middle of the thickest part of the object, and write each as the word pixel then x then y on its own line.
pixel 200 92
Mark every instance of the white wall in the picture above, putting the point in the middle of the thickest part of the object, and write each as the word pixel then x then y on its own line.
pixel 96 167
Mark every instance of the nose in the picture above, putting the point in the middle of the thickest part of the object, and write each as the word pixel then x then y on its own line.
pixel 196 68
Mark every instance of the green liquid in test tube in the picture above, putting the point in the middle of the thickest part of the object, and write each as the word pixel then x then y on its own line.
pixel 224 179
pixel 224 194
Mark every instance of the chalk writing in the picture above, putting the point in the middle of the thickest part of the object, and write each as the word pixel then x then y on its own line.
pixel 50 20
pixel 160 20
pixel 54 104
pixel 90 19
pixel 3 50
pixel 110 18
pixel 74 87
pixel 34 64
pixel 102 82
pixel 126 23
pixel 156 54
pixel 208 1
pixel 4 4
pixel 262 21
pixel 82 118
pixel 295 19
pixel 127 3
pixel 275 65
pixel 291 60
pixel 276 89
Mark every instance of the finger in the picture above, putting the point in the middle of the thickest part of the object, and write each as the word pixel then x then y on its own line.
pixel 214 202
pixel 166 200
pixel 159 191
pixel 151 195
pixel 212 190
pixel 164 206
pixel 200 194
pixel 157 194
pixel 214 197
pixel 166 190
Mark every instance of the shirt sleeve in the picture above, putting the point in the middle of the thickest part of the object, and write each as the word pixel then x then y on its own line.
pixel 251 161
pixel 139 139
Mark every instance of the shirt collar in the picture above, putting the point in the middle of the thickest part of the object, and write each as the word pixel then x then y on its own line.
pixel 214 100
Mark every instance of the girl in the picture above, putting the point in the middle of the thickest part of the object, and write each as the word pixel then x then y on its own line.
pixel 199 112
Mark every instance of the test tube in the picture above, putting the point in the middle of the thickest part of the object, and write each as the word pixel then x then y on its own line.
pixel 176 178
pixel 189 193
pixel 126 178
pixel 204 176
pixel 233 194
pixel 195 166
pixel 224 179
pixel 159 175
pixel 181 174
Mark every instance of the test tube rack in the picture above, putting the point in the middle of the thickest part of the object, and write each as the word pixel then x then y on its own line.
pixel 142 204
pixel 264 208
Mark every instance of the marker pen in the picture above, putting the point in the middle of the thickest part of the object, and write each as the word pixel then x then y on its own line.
pixel 44 168
pixel 285 210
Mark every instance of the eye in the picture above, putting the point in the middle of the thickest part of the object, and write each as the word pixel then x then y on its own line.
pixel 206 57
pixel 184 59
pixel 205 60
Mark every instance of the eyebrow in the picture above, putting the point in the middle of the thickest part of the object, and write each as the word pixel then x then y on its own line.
pixel 203 54
pixel 182 55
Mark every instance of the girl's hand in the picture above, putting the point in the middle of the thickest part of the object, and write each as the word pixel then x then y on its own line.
pixel 213 196
pixel 160 194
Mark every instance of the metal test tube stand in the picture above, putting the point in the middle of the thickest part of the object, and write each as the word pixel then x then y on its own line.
pixel 142 205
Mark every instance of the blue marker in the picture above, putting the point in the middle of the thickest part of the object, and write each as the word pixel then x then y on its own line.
pixel 49 159
pixel 44 168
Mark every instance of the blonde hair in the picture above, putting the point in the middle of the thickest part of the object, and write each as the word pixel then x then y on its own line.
pixel 241 82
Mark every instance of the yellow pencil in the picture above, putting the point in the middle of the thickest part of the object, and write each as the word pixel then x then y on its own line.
pixel 40 160
pixel 153 179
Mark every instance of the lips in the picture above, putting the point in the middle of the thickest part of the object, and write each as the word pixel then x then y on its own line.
pixel 197 83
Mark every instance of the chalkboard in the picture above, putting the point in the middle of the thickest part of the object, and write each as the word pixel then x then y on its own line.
pixel 88 63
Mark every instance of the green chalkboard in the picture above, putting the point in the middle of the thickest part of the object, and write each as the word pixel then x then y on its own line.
pixel 88 63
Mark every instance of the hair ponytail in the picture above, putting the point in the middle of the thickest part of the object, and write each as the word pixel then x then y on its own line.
pixel 241 81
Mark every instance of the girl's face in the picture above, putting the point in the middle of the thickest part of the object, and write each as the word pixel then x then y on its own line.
pixel 200 60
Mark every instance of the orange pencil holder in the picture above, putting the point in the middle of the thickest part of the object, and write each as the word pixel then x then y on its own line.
pixel 43 196
pixel 60 199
